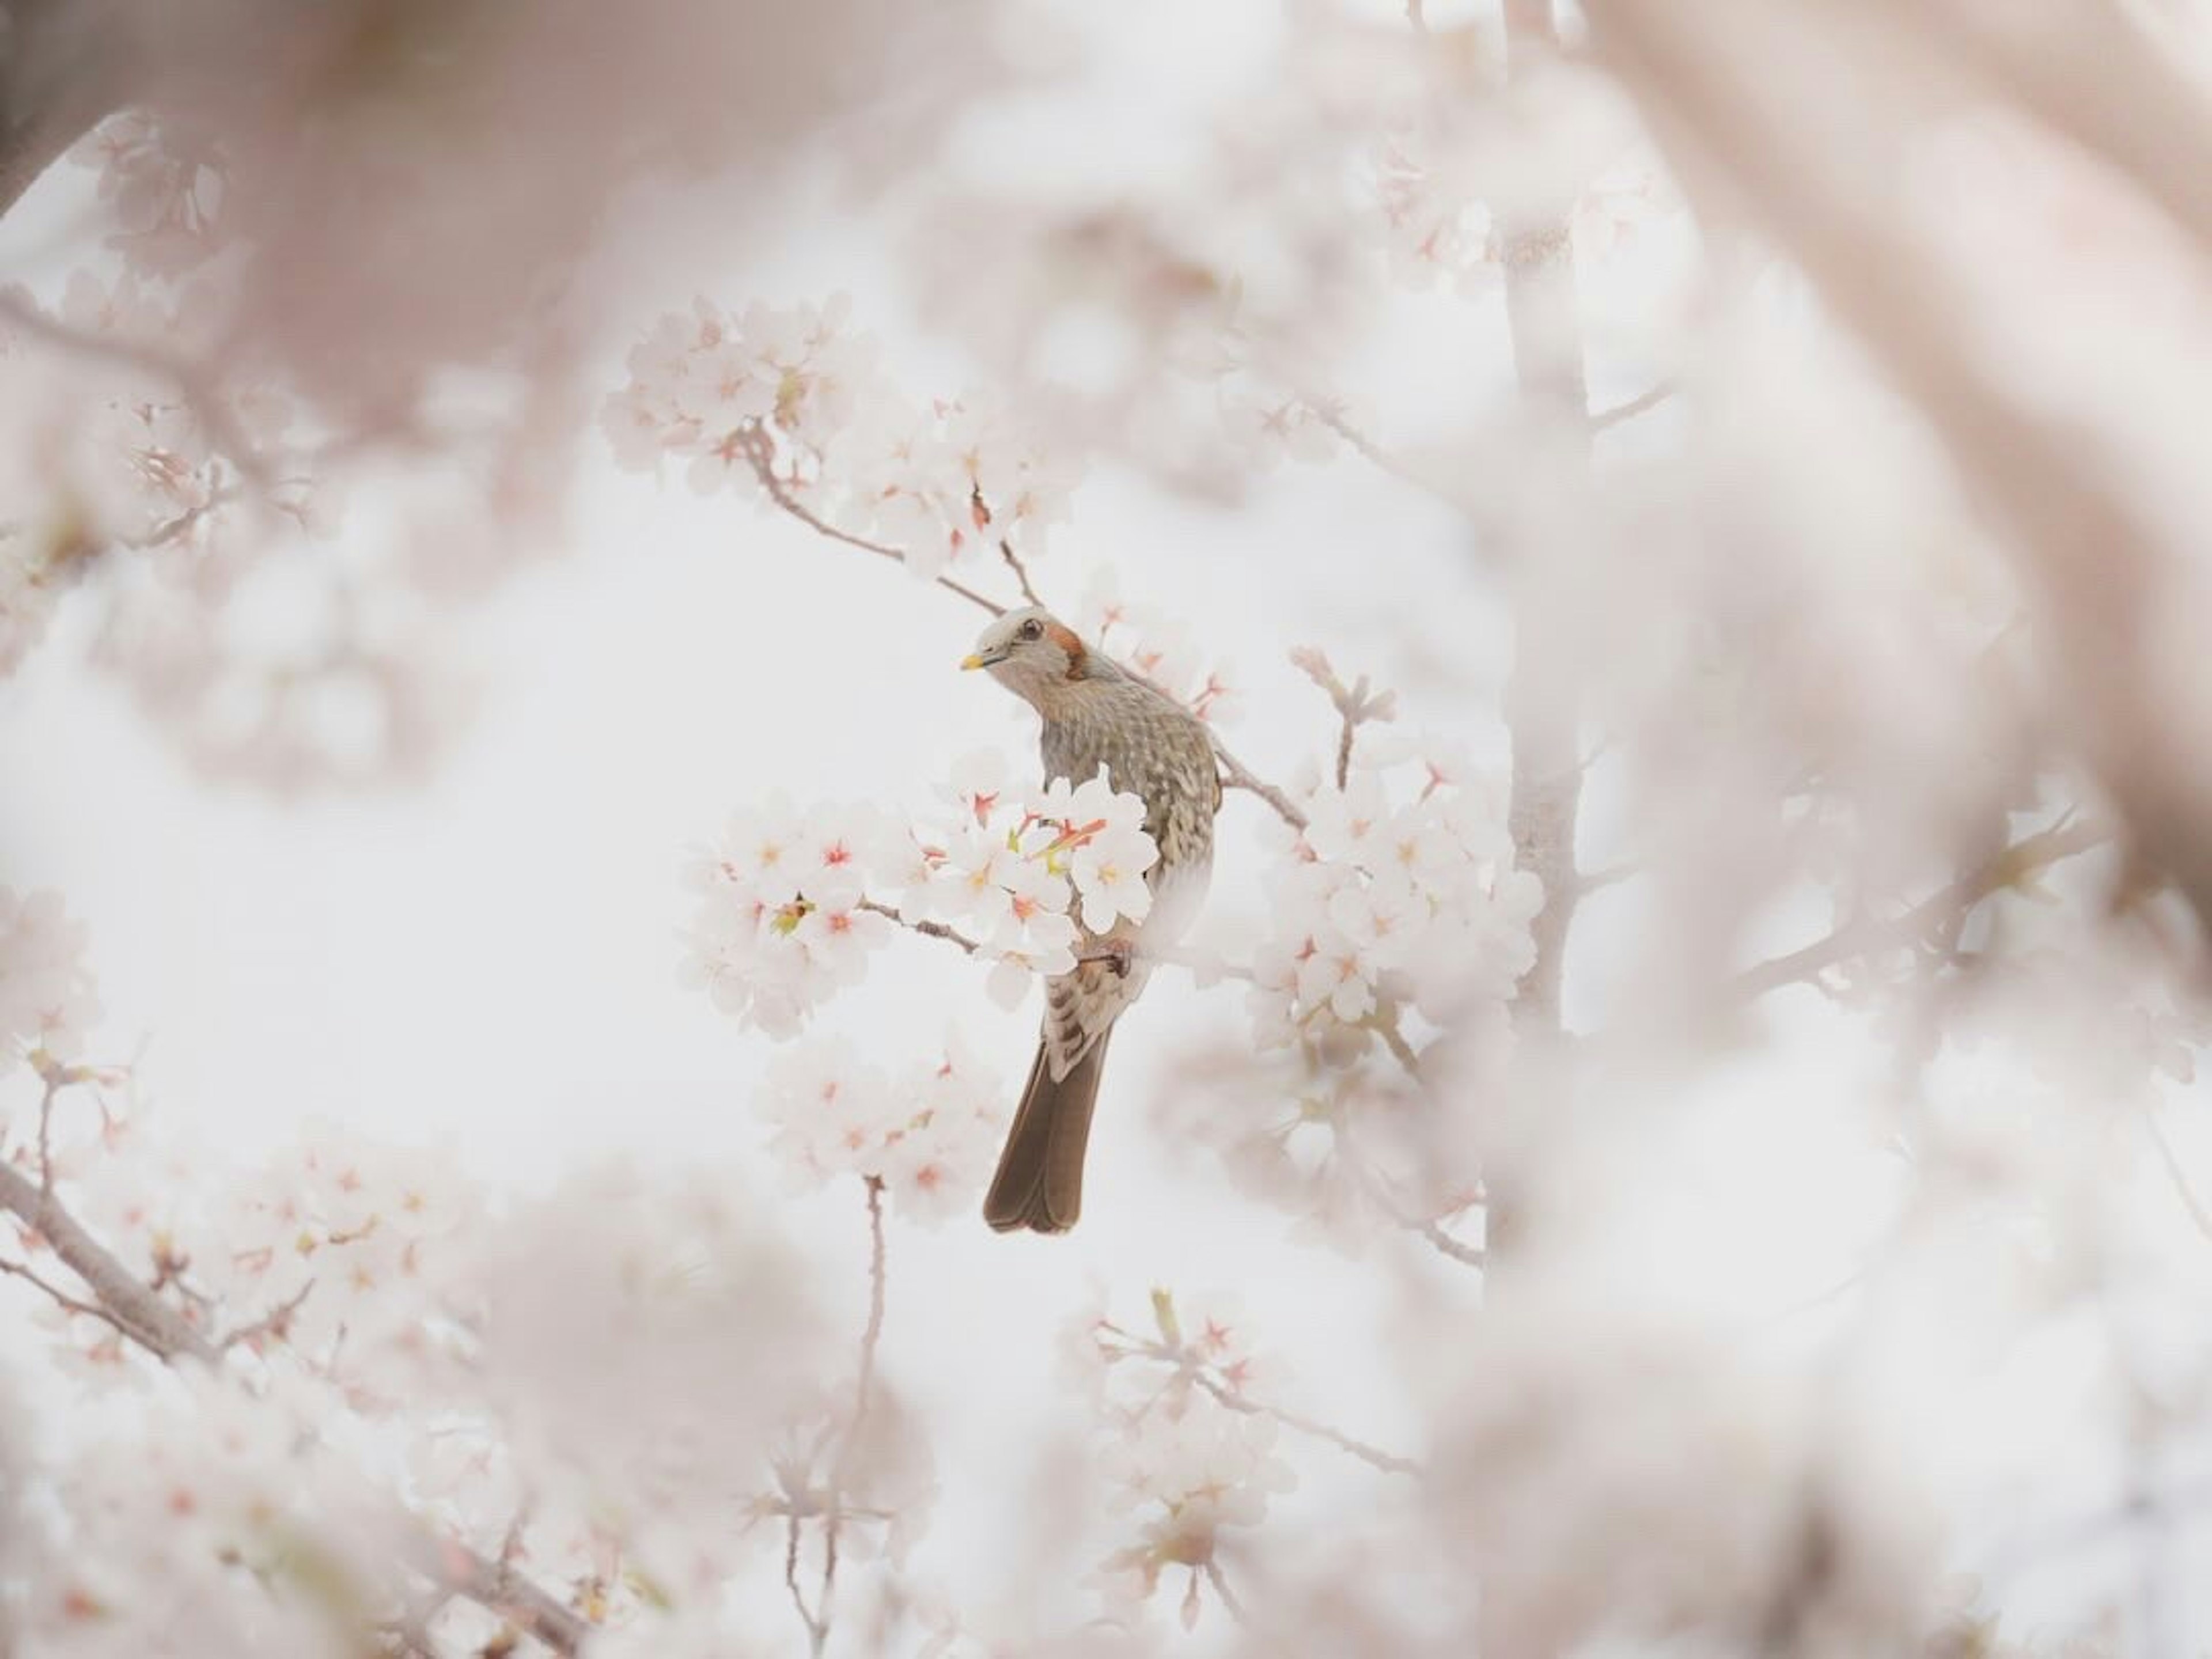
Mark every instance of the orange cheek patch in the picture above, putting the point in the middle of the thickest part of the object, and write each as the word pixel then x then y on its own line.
pixel 1064 636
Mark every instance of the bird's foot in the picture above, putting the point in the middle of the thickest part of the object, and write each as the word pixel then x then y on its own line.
pixel 1117 954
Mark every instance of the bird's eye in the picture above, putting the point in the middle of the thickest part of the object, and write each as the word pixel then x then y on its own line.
pixel 1031 629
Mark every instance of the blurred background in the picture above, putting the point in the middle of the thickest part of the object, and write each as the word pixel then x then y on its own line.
pixel 1755 443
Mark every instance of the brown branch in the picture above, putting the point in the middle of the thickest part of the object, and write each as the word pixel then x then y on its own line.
pixel 164 1332
pixel 53 1077
pixel 152 1323
pixel 1021 571
pixel 816 1633
pixel 70 1303
pixel 759 450
pixel 952 936
pixel 1606 419
pixel 1386 1027
pixel 927 929
pixel 1865 935
pixel 1354 704
pixel 1235 775
pixel 274 1322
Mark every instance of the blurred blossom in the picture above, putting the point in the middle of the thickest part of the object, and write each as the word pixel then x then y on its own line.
pixel 47 996
pixel 929 1136
pixel 798 393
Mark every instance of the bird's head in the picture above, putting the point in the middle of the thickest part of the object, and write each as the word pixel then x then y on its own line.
pixel 1032 653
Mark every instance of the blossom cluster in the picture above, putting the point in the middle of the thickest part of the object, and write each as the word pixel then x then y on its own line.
pixel 799 393
pixel 47 997
pixel 210 1521
pixel 1185 1450
pixel 792 903
pixel 1398 892
pixel 365 1318
pixel 926 1134
pixel 1159 645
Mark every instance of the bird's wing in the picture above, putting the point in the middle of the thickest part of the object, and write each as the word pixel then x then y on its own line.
pixel 1079 1008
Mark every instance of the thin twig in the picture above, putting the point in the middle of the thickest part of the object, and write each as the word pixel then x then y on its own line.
pixel 1637 405
pixel 1374 1457
pixel 53 1077
pixel 1394 1041
pixel 1021 571
pixel 91 1311
pixel 1863 936
pixel 1177 958
pixel 1213 1576
pixel 171 529
pixel 759 450
pixel 1235 775
pixel 863 1397
pixel 2176 1175
pixel 274 1322
pixel 1355 705
pixel 928 929
pixel 816 1633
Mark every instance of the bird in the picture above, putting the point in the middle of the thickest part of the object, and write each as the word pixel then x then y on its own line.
pixel 1094 714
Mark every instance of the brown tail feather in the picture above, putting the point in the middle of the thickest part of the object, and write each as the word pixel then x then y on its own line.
pixel 1039 1180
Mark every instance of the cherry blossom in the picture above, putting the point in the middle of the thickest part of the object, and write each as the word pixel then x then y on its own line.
pixel 1410 902
pixel 1159 646
pixel 47 997
pixel 800 391
pixel 929 1135
pixel 792 905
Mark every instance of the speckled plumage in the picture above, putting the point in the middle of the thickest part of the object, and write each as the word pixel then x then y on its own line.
pixel 1093 715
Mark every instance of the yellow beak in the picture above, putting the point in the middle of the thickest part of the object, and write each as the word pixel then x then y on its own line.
pixel 971 661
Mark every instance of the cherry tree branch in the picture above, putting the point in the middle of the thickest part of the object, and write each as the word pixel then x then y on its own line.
pixel 193 382
pixel 1188 1362
pixel 1355 705
pixel 1021 571
pixel 926 929
pixel 1542 319
pixel 276 1322
pixel 51 1076
pixel 1606 419
pixel 863 1398
pixel 134 1308
pixel 1228 1601
pixel 1373 1456
pixel 759 451
pixel 1866 935
pixel 953 936
pixel 63 1298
